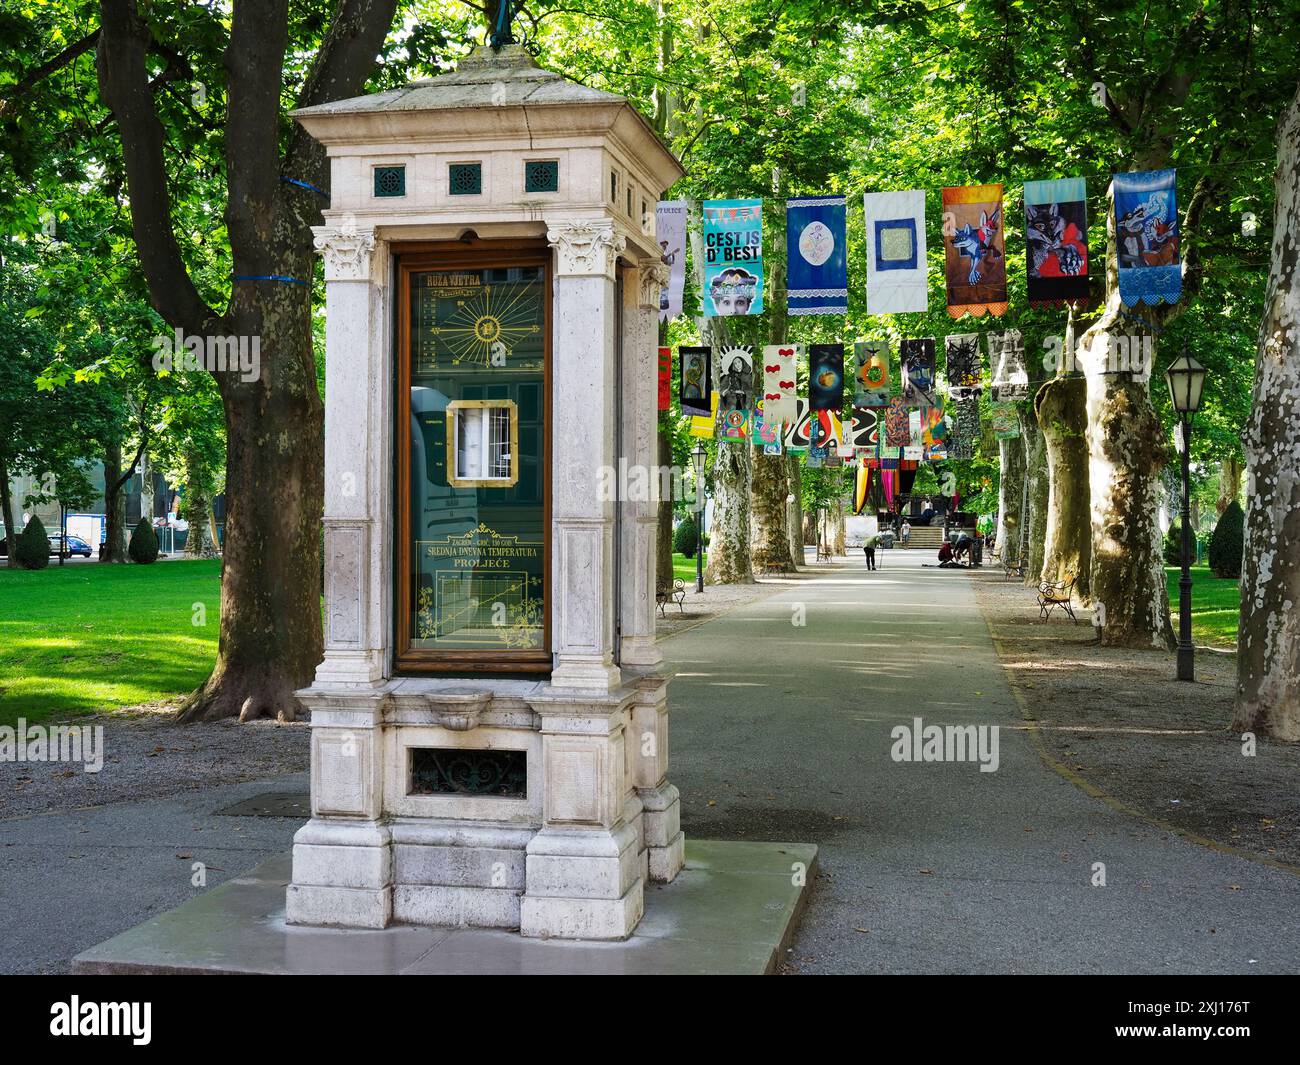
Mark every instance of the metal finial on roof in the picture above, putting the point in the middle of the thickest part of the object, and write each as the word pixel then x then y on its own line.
pixel 503 31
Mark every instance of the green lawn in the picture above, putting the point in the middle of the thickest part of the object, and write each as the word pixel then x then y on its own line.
pixel 683 567
pixel 87 637
pixel 1216 606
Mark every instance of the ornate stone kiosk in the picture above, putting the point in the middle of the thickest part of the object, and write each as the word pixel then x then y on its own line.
pixel 489 725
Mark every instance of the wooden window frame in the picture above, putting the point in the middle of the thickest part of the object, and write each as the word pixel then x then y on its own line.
pixel 473 254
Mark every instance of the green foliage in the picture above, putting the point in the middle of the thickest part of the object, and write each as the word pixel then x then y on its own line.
pixel 33 548
pixel 1173 546
pixel 684 537
pixel 144 543
pixel 1226 543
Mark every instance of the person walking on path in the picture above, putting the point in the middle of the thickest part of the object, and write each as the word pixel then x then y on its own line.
pixel 869 546
pixel 906 530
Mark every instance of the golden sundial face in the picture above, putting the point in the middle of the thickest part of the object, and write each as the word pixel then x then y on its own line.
pixel 488 321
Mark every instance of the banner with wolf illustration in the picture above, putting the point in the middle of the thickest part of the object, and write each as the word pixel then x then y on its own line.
pixel 817 278
pixel 1146 232
pixel 896 265
pixel 1056 232
pixel 974 251
pixel 733 258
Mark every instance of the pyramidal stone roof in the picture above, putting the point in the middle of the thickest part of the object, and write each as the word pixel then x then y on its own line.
pixel 510 77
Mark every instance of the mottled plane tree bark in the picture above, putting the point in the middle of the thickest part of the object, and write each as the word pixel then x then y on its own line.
pixel 1268 640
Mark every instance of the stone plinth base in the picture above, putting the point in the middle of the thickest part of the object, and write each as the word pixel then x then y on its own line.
pixel 732 910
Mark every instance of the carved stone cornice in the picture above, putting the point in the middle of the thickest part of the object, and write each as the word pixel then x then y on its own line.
pixel 585 247
pixel 347 252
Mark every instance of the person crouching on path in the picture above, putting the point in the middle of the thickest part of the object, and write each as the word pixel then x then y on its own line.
pixel 869 546
pixel 945 554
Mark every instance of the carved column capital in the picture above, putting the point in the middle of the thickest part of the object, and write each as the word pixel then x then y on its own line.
pixel 585 246
pixel 347 252
pixel 654 279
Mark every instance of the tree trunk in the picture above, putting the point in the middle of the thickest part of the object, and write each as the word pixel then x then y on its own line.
pixel 271 639
pixel 198 512
pixel 1011 485
pixel 7 515
pixel 114 505
pixel 794 510
pixel 771 480
pixel 1126 454
pixel 835 515
pixel 1268 640
pixel 1067 539
pixel 811 530
pixel 1229 484
pixel 728 559
pixel 1036 473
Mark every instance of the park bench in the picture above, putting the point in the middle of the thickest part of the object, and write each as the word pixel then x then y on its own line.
pixel 1052 594
pixel 1013 566
pixel 675 594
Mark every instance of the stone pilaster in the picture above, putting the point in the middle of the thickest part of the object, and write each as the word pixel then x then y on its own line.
pixel 584 876
pixel 357 377
pixel 582 445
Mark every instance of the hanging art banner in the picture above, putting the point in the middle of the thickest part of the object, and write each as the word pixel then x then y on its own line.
pixel 898 432
pixel 817 279
pixel 966 427
pixel 733 258
pixel 794 434
pixel 916 358
pixel 826 377
pixel 767 431
pixel 1146 229
pixel 780 383
pixel 1056 232
pixel 733 424
pixel 665 378
pixel 670 231
pixel 736 378
pixel 864 429
pixel 1007 356
pixel 871 379
pixel 962 359
pixel 697 380
pixel 974 253
pixel 702 427
pixel 896 279
pixel 1006 421
pixel 934 428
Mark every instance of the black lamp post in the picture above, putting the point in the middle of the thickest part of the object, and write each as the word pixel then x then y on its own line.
pixel 698 457
pixel 1186 380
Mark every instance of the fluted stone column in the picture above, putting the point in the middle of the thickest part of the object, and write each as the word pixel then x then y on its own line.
pixel 583 409
pixel 342 858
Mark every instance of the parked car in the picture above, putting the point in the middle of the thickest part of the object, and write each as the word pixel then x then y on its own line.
pixel 75 546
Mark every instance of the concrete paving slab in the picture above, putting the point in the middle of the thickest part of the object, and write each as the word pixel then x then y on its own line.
pixel 732 910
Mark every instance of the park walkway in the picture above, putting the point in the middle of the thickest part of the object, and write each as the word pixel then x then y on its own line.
pixel 781 731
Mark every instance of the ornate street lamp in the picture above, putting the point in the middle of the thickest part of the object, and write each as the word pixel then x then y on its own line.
pixel 698 457
pixel 1186 380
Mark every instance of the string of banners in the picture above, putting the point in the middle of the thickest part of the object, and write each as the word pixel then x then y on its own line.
pixel 730 396
pixel 1056 252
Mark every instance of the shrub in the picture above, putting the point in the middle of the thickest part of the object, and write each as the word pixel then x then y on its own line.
pixel 684 537
pixel 1174 545
pixel 144 543
pixel 1226 542
pixel 33 547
